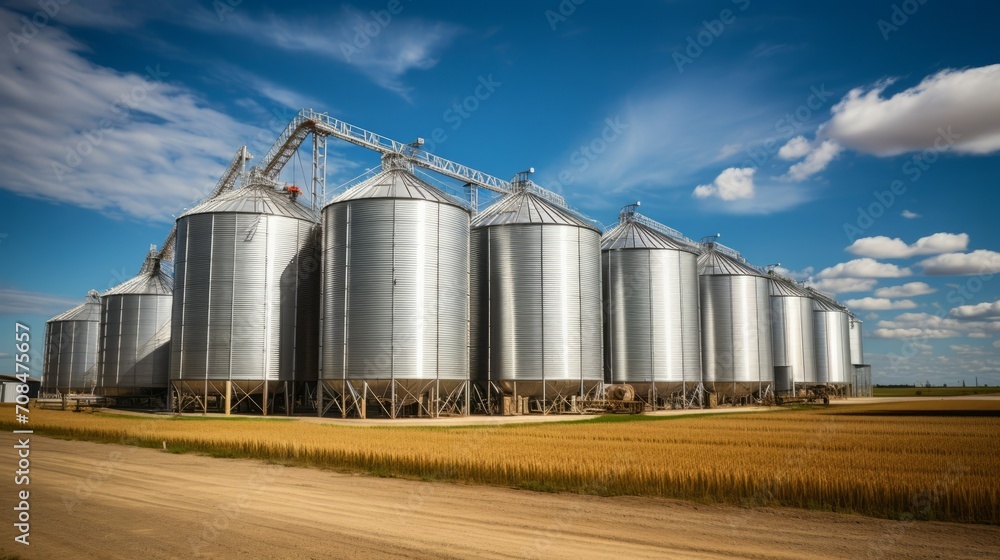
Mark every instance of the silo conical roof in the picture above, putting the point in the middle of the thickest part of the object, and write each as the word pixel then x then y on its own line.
pixel 255 198
pixel 632 235
pixel 150 280
pixel 397 182
pixel 527 208
pixel 89 310
pixel 783 287
pixel 714 263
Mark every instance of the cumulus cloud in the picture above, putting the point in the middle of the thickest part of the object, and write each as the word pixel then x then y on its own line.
pixel 795 148
pixel 800 275
pixel 962 264
pixel 864 268
pixel 979 335
pixel 914 333
pixel 956 107
pixel 817 160
pixel 939 323
pixel 879 304
pixel 978 311
pixel 910 215
pixel 843 285
pixel 732 184
pixel 881 247
pixel 909 289
pixel 118 142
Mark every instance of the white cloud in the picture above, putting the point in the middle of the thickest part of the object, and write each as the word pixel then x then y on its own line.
pixel 986 310
pixel 21 302
pixel 795 148
pixel 405 43
pixel 729 150
pixel 895 248
pixel 914 333
pixel 929 321
pixel 732 184
pixel 979 335
pixel 910 215
pixel 996 344
pixel 817 160
pixel 909 289
pixel 962 264
pixel 843 285
pixel 879 304
pixel 800 275
pixel 962 101
pixel 864 268
pixel 161 150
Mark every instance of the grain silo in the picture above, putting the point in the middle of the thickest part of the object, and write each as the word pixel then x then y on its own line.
pixel 395 335
pixel 71 346
pixel 134 358
pixel 536 304
pixel 736 334
pixel 833 351
pixel 792 335
pixel 861 383
pixel 652 334
pixel 245 316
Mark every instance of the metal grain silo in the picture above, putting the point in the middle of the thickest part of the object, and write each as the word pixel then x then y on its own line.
pixel 536 302
pixel 396 297
pixel 857 348
pixel 245 319
pixel 792 334
pixel 833 351
pixel 736 334
pixel 134 359
pixel 71 346
pixel 652 334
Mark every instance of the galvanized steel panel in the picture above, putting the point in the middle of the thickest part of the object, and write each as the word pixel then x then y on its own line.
pixel 736 335
pixel 396 288
pixel 72 342
pixel 651 298
pixel 243 285
pixel 833 352
pixel 793 336
pixel 135 345
pixel 857 347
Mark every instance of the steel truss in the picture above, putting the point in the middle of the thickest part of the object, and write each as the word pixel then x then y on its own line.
pixel 433 398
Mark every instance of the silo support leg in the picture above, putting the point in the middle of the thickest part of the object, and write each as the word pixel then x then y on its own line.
pixel 229 397
pixel 263 396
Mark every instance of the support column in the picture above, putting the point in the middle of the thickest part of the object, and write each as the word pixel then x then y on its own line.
pixel 263 399
pixel 229 397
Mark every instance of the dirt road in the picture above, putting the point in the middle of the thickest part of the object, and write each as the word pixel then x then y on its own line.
pixel 107 501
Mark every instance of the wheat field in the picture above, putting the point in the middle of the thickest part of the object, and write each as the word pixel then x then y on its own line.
pixel 926 460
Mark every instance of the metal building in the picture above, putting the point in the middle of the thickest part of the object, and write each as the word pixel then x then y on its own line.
pixel 245 320
pixel 71 344
pixel 736 334
pixel 833 351
pixel 793 335
pixel 134 358
pixel 395 334
pixel 861 384
pixel 652 334
pixel 536 303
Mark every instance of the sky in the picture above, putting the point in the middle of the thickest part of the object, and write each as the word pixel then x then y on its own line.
pixel 855 143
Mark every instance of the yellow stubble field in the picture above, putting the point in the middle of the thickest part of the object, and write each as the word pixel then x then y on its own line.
pixel 937 459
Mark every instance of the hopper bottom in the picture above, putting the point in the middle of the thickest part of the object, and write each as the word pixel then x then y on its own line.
pixel 393 398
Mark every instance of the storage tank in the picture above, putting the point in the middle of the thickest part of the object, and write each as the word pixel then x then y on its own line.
pixel 246 296
pixel 792 334
pixel 857 348
pixel 134 359
pixel 536 302
pixel 736 334
pixel 396 297
pixel 652 333
pixel 833 351
pixel 71 346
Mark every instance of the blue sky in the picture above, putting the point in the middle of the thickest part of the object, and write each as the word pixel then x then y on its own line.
pixel 856 143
